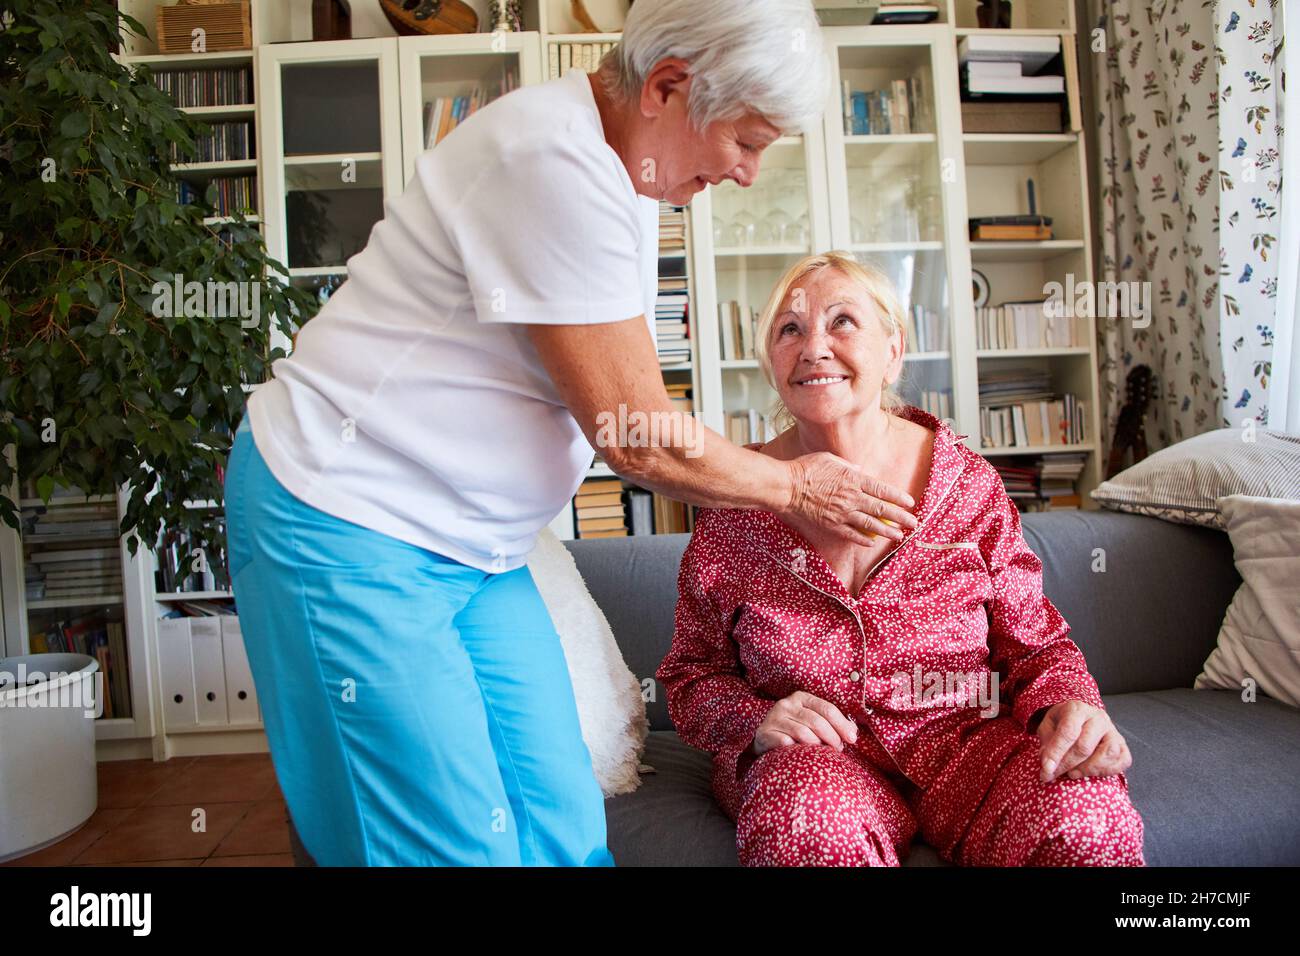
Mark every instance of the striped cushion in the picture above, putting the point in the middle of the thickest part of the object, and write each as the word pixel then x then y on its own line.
pixel 1184 482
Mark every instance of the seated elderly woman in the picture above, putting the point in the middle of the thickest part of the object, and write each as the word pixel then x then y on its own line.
pixel 853 695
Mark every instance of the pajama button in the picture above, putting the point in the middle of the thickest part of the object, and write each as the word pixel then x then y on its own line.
pixel 855 676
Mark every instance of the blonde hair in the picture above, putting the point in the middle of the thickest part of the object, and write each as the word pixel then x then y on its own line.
pixel 870 278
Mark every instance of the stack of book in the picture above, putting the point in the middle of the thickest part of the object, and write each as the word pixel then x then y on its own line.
pixel 672 321
pixel 937 401
pixel 231 86
pixel 71 552
pixel 1006 66
pixel 926 330
pixel 902 107
pixel 1017 228
pixel 738 331
pixel 1043 482
pixel 1027 325
pixel 445 113
pixel 1019 409
pixel 672 308
pixel 97 637
pixel 228 140
pixel 744 428
pixel 599 509
pixel 672 228
pixel 680 394
pixel 577 56
pixel 672 516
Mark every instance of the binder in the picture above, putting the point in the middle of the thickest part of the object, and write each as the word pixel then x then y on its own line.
pixel 209 670
pixel 241 695
pixel 176 673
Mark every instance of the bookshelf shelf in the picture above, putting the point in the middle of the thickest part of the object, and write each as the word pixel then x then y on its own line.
pixel 1081 350
pixel 993 251
pixel 215 167
pixel 1038 449
pixel 237 109
pixel 888 139
pixel 920 246
pixel 1006 149
pixel 1012 32
pixel 332 159
pixel 177 596
pixel 189 60
pixel 93 601
pixel 758 251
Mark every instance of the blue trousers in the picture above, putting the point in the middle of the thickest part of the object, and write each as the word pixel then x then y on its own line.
pixel 418 711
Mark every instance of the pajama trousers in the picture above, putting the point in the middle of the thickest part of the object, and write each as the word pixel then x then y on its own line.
pixel 806 805
pixel 419 711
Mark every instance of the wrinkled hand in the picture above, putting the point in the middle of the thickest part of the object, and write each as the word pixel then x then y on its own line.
pixel 802 718
pixel 834 495
pixel 1079 740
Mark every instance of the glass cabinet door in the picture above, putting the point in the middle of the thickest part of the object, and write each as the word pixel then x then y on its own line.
pixel 446 79
pixel 332 137
pixel 746 239
pixel 889 205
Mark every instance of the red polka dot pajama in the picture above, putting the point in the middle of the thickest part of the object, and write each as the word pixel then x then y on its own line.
pixel 913 662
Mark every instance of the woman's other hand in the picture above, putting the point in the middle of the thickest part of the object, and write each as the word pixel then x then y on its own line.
pixel 834 495
pixel 802 718
pixel 1079 740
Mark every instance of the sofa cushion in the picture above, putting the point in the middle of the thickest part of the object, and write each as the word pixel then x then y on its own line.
pixel 1260 639
pixel 1213 777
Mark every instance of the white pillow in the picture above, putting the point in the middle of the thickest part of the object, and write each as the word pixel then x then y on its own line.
pixel 1260 638
pixel 1185 481
pixel 610 707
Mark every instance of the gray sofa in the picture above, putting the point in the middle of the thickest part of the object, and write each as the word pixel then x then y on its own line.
pixel 1217 780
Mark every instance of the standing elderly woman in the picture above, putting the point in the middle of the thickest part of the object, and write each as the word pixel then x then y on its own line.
pixel 387 485
pixel 851 693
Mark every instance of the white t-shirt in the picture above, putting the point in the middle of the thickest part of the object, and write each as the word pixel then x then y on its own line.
pixel 414 402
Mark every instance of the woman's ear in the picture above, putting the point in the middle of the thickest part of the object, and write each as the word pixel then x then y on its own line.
pixel 897 348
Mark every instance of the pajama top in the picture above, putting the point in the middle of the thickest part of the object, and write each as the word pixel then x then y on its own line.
pixel 761 614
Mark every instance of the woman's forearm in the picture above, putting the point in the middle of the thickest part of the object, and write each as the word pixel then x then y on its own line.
pixel 711 472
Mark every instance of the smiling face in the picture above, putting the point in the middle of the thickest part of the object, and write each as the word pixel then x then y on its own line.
pixel 726 149
pixel 684 159
pixel 830 351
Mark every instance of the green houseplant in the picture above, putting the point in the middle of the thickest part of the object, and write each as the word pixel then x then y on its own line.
pixel 104 382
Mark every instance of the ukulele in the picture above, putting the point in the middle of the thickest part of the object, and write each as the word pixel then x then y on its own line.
pixel 421 17
pixel 1130 430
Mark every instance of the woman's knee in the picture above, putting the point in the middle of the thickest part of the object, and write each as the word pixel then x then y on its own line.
pixel 815 806
pixel 1085 822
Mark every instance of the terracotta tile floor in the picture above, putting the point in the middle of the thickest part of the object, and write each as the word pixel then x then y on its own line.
pixel 147 810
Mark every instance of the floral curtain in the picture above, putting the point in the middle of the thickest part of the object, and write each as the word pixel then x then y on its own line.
pixel 1157 105
pixel 1189 128
pixel 1248 39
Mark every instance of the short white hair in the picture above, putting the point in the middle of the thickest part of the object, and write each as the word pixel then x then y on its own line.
pixel 765 56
